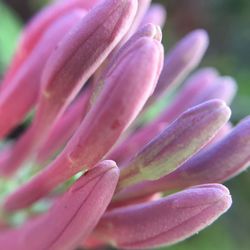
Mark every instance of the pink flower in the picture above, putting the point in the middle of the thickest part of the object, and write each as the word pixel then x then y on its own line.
pixel 91 70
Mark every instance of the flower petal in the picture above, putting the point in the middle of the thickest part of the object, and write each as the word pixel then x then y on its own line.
pixel 193 89
pixel 165 221
pixel 71 218
pixel 22 91
pixel 126 90
pixel 177 143
pixel 181 60
pixel 36 28
pixel 69 67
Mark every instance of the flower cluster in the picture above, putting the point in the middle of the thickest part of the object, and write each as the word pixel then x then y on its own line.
pixel 91 71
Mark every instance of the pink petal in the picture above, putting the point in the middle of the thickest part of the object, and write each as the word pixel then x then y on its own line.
pixel 181 60
pixel 127 88
pixel 166 221
pixel 21 94
pixel 69 67
pixel 64 128
pixel 216 163
pixel 36 28
pixel 177 143
pixel 71 218
pixel 197 84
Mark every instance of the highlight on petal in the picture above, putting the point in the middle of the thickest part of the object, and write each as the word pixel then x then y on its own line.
pixel 69 67
pixel 165 221
pixel 126 90
pixel 177 143
pixel 72 217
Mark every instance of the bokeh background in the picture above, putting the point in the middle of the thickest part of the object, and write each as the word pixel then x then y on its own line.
pixel 227 22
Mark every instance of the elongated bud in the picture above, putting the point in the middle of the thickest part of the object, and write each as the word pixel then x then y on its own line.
pixel 69 67
pixel 181 139
pixel 36 28
pixel 126 90
pixel 148 30
pixel 198 84
pixel 181 60
pixel 165 221
pixel 156 15
pixel 71 218
pixel 19 97
pixel 218 163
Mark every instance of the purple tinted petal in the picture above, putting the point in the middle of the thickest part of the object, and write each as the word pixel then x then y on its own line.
pixel 69 67
pixel 178 142
pixel 126 90
pixel 72 217
pixel 165 221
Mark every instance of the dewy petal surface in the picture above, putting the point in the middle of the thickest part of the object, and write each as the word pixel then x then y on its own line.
pixel 165 221
pixel 126 90
pixel 71 218
pixel 178 142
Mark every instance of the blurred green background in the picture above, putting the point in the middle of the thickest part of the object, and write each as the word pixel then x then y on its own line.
pixel 227 22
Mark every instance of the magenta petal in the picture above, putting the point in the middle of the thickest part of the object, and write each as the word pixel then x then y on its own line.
pixel 21 93
pixel 69 67
pixel 72 217
pixel 199 83
pixel 165 221
pixel 181 60
pixel 216 163
pixel 64 128
pixel 177 143
pixel 220 162
pixel 35 30
pixel 143 6
pixel 127 88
